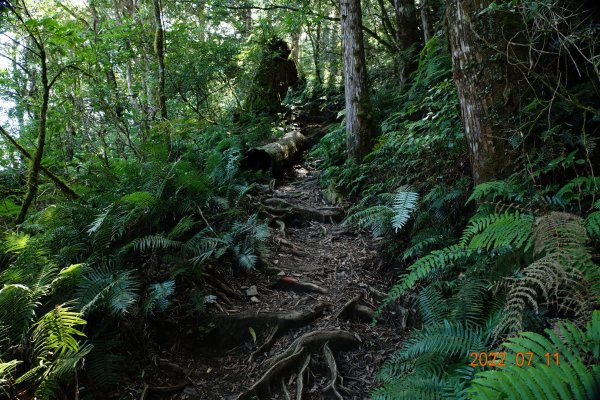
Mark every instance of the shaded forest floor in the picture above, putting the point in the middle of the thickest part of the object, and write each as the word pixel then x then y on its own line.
pixel 301 323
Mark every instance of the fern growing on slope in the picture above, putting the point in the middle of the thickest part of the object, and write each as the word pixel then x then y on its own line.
pixel 561 276
pixel 565 365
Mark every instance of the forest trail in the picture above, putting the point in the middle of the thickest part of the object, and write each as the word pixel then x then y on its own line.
pixel 298 328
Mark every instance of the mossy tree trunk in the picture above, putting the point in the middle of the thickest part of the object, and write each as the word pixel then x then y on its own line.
pixel 36 163
pixel 360 131
pixel 159 49
pixel 488 88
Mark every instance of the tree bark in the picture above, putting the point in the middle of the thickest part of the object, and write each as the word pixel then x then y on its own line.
pixel 408 38
pixel 36 162
pixel 360 131
pixel 59 183
pixel 426 24
pixel 487 87
pixel 159 49
pixel 297 53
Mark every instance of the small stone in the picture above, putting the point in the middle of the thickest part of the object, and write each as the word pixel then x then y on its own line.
pixel 281 273
pixel 254 299
pixel 252 291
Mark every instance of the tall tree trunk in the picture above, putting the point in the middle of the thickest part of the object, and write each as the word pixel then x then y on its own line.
pixel 159 49
pixel 333 53
pixel 315 41
pixel 487 87
pixel 36 162
pixel 408 38
pixel 426 24
pixel 360 131
pixel 296 53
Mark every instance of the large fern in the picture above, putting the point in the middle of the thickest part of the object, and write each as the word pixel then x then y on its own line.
pixel 577 375
pixel 558 277
pixel 56 350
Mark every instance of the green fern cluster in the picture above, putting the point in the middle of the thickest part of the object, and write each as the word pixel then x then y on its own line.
pixel 566 365
pixel 30 280
pixel 508 272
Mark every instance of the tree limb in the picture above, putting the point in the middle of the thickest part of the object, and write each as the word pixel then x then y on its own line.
pixel 389 46
pixel 60 184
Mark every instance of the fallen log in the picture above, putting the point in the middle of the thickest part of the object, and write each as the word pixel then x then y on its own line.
pixel 277 156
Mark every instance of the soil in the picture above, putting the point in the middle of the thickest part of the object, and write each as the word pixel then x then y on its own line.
pixel 319 277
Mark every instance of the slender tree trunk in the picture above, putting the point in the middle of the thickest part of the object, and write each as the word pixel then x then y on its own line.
pixel 333 56
pixel 315 41
pixel 426 25
pixel 36 162
pixel 360 131
pixel 408 38
pixel 296 53
pixel 487 88
pixel 159 49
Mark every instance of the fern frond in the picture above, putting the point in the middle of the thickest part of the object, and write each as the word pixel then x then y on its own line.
pixel 154 242
pixel 17 310
pixel 184 225
pixel 15 242
pixel 427 347
pixel 405 203
pixel 437 260
pixel 55 332
pixel 376 218
pixel 432 305
pixel 410 388
pixel 553 281
pixel 491 191
pixel 495 231
pixel 592 223
pixel 157 298
pixel 560 233
pixel 577 375
pixel 469 300
pixel 104 286
pixel 6 371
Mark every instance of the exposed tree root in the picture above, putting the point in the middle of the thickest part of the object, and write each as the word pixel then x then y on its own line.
pixel 330 390
pixel 352 309
pixel 262 386
pixel 298 353
pixel 300 381
pixel 266 344
pixel 218 284
pixel 230 328
pixel 285 390
pixel 293 284
pixel 294 249
pixel 296 213
pixel 162 390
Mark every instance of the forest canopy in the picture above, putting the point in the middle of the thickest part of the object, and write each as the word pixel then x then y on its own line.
pixel 386 199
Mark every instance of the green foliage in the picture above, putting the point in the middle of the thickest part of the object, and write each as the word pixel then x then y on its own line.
pixel 107 287
pixel 380 219
pixel 577 375
pixel 157 297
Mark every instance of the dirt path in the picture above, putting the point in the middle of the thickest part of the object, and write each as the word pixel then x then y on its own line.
pixel 303 326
